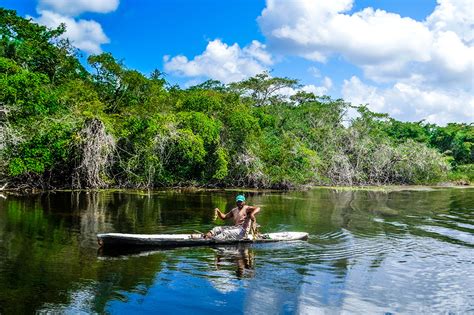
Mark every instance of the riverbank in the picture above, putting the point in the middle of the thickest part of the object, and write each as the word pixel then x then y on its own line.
pixel 139 191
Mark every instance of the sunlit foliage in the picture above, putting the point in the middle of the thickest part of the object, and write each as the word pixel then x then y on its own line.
pixel 62 126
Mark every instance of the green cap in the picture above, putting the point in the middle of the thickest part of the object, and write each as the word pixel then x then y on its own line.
pixel 239 198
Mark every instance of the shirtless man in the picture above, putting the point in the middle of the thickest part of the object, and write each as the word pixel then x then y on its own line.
pixel 242 215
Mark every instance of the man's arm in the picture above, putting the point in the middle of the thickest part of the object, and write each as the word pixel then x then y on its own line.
pixel 222 215
pixel 252 211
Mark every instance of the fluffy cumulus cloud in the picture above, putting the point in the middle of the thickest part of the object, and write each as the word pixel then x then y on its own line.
pixel 454 16
pixel 410 102
pixel 226 63
pixel 76 7
pixel 318 90
pixel 429 59
pixel 317 29
pixel 86 35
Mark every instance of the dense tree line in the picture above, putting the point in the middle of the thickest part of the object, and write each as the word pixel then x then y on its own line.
pixel 64 126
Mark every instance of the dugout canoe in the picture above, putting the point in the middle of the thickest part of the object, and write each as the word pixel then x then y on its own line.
pixel 177 240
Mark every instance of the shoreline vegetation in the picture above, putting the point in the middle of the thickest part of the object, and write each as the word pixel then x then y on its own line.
pixel 64 125
pixel 241 190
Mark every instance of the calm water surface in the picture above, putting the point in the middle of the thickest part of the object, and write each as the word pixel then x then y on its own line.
pixel 368 252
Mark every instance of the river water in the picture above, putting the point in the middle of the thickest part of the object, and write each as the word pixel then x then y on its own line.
pixel 396 251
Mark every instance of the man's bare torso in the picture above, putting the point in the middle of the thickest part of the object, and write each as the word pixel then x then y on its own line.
pixel 239 215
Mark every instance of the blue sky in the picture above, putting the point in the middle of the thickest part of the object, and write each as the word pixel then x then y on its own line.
pixel 411 59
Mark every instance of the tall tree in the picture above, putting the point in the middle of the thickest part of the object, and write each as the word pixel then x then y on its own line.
pixel 263 88
pixel 38 48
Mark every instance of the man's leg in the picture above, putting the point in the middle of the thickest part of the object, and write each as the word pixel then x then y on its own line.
pixel 214 231
pixel 230 233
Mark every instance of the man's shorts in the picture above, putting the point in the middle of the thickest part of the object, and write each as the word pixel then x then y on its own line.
pixel 224 233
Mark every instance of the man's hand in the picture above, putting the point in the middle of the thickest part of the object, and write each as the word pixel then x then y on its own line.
pixel 253 211
pixel 219 214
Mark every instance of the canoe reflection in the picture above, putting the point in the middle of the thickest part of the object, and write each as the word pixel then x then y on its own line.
pixel 106 253
pixel 238 258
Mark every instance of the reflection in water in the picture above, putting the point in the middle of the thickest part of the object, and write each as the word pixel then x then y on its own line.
pixel 241 257
pixel 400 251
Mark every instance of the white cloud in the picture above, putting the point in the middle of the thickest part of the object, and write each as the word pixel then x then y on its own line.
pixel 455 16
pixel 452 61
pixel 317 29
pixel 385 45
pixel 316 90
pixel 314 72
pixel 411 102
pixel 86 35
pixel 327 83
pixel 222 62
pixel 76 7
pixel 83 34
pixel 310 88
pixel 323 89
pixel 427 65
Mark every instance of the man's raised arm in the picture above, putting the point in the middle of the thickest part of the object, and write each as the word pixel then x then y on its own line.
pixel 252 211
pixel 222 215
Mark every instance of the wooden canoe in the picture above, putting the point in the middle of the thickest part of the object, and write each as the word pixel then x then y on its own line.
pixel 176 240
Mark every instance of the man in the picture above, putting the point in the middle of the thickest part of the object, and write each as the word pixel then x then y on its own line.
pixel 242 215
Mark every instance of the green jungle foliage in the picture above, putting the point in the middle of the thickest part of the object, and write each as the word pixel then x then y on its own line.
pixel 62 126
